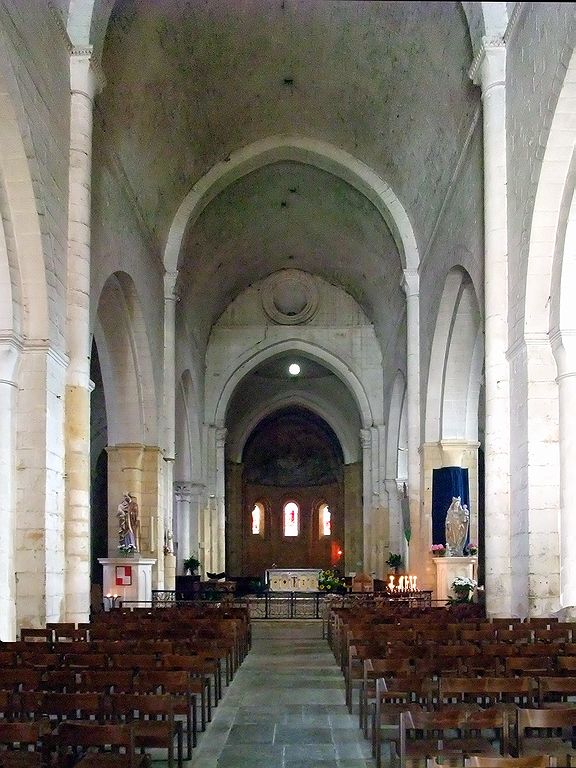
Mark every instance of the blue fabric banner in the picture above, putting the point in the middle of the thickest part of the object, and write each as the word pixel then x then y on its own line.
pixel 447 483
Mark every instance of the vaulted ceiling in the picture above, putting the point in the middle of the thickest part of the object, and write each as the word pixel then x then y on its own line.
pixel 190 82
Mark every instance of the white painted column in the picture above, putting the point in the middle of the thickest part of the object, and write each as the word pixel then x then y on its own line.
pixel 182 498
pixel 418 541
pixel 220 528
pixel 366 442
pixel 489 71
pixel 564 346
pixel 10 349
pixel 83 83
pixel 169 416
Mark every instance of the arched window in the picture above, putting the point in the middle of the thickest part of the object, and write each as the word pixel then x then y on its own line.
pixel 257 519
pixel 324 520
pixel 291 519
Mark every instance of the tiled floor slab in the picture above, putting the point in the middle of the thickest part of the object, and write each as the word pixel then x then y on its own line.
pixel 285 707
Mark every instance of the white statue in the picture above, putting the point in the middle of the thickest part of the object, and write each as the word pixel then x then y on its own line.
pixel 457 523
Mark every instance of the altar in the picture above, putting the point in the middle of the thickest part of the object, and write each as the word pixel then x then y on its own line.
pixel 293 579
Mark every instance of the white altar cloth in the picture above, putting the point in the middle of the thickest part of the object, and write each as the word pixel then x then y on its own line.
pixel 293 579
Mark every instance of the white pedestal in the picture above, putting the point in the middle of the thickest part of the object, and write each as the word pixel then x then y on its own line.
pixel 127 579
pixel 447 568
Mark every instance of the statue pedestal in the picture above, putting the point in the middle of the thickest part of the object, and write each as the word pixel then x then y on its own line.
pixel 127 579
pixel 447 568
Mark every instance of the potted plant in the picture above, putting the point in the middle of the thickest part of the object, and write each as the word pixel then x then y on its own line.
pixel 463 587
pixel 330 581
pixel 471 549
pixel 394 561
pixel 191 565
pixel 438 550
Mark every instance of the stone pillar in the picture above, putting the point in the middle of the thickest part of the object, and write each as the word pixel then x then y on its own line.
pixel 353 532
pixel 169 416
pixel 564 346
pixel 182 497
pixel 83 84
pixel 366 442
pixel 489 71
pixel 10 348
pixel 411 286
pixel 220 528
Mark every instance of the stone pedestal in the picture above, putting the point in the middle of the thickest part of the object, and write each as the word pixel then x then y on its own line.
pixel 127 579
pixel 448 568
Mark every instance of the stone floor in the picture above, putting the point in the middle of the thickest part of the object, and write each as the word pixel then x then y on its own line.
pixel 285 707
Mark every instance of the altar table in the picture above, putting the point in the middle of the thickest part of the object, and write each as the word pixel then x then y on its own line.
pixel 293 579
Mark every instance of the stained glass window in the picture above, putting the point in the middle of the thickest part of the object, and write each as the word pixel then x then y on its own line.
pixel 325 520
pixel 258 519
pixel 291 519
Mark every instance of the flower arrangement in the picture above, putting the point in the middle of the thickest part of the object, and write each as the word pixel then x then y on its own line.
pixel 394 560
pixel 191 564
pixel 330 581
pixel 126 549
pixel 464 588
pixel 472 549
pixel 438 550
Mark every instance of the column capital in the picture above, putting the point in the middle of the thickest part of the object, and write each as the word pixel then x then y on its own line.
pixel 366 439
pixel 220 435
pixel 411 282
pixel 86 75
pixel 184 490
pixel 489 66
pixel 10 350
pixel 170 285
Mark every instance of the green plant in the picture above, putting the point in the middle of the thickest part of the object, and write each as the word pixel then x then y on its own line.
pixel 463 587
pixel 394 560
pixel 330 581
pixel 191 564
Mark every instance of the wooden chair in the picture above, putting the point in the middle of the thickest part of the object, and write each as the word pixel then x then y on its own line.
pixel 178 684
pixel 374 668
pixel 200 681
pixel 529 665
pixel 547 731
pixel 21 744
pixel 106 680
pixel 36 635
pixel 20 679
pixel 449 734
pixel 96 745
pixel 392 696
pixel 155 726
pixel 556 691
pixel 487 691
pixel 533 761
pixel 76 706
pixel 60 680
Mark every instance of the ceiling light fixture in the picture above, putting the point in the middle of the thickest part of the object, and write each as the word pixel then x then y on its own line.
pixel 293 369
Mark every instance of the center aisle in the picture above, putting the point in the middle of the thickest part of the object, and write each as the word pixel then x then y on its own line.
pixel 285 707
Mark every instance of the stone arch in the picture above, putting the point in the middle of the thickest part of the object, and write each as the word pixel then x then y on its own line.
pixel 188 431
pixel 307 151
pixel 455 370
pixel 23 278
pixel 87 23
pixel 250 360
pixel 397 436
pixel 126 364
pixel 348 442
pixel 485 20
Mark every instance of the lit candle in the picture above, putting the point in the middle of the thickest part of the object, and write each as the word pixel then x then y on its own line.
pixel 391 582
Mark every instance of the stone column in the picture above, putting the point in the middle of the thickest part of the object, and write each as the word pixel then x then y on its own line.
pixel 10 349
pixel 366 442
pixel 83 84
pixel 411 286
pixel 489 71
pixel 169 416
pixel 182 498
pixel 564 346
pixel 220 528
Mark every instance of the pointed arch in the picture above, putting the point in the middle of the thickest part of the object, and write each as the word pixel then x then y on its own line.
pixel 454 378
pixel 250 360
pixel 303 150
pixel 126 364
